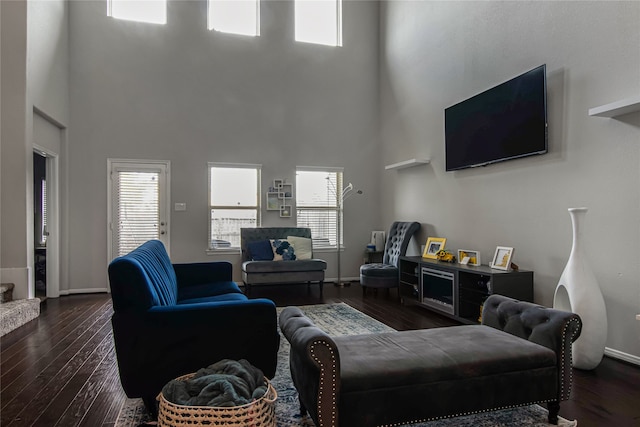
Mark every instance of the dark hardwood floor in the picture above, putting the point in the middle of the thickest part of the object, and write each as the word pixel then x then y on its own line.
pixel 60 370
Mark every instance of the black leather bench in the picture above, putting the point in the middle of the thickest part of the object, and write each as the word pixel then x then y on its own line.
pixel 520 355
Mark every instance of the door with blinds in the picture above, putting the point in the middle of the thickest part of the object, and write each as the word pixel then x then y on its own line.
pixel 138 211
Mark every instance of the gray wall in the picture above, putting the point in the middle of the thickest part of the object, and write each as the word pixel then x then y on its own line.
pixel 181 93
pixel 434 54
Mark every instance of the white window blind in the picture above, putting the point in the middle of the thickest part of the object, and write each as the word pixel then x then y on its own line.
pixel 43 230
pixel 317 196
pixel 137 212
pixel 234 199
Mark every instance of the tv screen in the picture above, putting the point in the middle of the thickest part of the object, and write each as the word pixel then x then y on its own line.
pixel 505 122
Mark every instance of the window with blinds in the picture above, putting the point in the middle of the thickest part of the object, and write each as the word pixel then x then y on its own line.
pixel 137 212
pixel 43 219
pixel 234 200
pixel 317 202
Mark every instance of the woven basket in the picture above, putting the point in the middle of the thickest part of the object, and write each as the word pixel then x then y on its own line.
pixel 259 413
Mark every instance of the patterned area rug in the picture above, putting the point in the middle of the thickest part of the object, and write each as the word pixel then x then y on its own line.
pixel 341 319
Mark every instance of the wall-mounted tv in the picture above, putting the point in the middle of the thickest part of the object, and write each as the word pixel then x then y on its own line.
pixel 505 122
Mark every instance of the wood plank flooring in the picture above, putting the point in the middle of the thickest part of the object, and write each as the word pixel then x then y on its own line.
pixel 60 370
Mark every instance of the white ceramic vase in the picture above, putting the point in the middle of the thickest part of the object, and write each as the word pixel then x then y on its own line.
pixel 578 291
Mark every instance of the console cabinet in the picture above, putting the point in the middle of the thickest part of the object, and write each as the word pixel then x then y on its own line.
pixel 457 290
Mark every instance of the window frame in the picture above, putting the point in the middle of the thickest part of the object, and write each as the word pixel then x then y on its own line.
pixel 338 207
pixel 211 206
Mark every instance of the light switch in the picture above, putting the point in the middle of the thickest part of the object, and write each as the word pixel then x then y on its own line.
pixel 180 207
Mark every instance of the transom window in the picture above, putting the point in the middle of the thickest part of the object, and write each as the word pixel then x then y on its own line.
pixel 317 203
pixel 234 201
pixel 151 11
pixel 234 16
pixel 319 21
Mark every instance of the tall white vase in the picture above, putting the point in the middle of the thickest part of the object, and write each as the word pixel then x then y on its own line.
pixel 578 291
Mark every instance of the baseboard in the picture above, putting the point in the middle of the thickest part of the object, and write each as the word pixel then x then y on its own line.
pixel 84 291
pixel 625 357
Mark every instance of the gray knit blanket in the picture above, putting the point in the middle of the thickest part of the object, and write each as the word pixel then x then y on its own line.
pixel 225 383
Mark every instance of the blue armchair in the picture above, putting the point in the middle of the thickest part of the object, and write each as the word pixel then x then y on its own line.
pixel 173 319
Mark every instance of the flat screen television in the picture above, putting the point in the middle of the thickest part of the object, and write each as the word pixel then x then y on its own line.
pixel 505 122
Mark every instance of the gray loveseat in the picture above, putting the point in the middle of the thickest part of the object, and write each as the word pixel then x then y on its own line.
pixel 520 355
pixel 260 272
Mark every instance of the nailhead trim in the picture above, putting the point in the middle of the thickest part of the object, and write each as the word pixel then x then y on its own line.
pixel 563 361
pixel 323 371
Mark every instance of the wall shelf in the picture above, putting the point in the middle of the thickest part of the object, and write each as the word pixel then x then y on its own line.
pixel 407 164
pixel 618 108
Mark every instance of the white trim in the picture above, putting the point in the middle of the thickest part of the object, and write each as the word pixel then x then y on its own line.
pixel 620 355
pixel 235 165
pixel 320 169
pixel 85 291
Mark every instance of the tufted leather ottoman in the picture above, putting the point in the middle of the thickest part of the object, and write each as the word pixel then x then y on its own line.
pixel 521 354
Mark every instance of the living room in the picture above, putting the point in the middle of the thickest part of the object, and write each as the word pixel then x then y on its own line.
pixel 181 93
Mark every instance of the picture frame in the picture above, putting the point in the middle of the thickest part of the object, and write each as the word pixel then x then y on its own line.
pixel 273 202
pixel 471 257
pixel 285 211
pixel 502 258
pixel 433 245
pixel 285 191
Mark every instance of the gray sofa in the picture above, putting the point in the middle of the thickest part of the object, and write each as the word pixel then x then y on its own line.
pixel 299 271
pixel 520 355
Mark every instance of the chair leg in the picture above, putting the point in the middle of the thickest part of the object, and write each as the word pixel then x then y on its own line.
pixel 554 409
pixel 321 285
pixel 151 404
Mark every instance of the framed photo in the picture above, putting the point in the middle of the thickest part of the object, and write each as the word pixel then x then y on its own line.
pixel 468 257
pixel 434 244
pixel 502 258
pixel 273 203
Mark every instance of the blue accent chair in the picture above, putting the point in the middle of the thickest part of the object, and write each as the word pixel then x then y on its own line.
pixel 173 319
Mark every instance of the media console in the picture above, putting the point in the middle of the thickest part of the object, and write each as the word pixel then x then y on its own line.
pixel 457 290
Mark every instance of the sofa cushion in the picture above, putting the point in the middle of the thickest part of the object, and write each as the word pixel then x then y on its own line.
pixel 206 290
pixel 302 246
pixel 216 298
pixel 149 265
pixel 398 358
pixel 282 250
pixel 281 267
pixel 260 250
pixel 379 270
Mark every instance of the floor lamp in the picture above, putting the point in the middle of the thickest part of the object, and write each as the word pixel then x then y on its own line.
pixel 344 195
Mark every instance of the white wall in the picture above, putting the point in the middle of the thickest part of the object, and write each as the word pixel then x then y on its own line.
pixel 434 54
pixel 15 158
pixel 179 92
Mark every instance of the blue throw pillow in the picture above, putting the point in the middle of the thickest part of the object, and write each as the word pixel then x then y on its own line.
pixel 282 250
pixel 260 250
